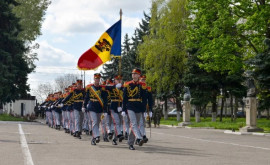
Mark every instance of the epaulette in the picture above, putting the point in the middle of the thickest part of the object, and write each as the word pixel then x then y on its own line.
pixel 127 83
pixel 88 86
pixel 143 85
pixel 103 87
pixel 149 89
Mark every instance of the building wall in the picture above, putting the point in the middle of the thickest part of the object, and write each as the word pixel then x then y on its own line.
pixel 15 107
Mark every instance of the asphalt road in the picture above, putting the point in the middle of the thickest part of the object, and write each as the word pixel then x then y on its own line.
pixel 35 143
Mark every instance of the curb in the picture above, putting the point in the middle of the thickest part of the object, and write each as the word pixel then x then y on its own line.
pixel 200 127
pixel 226 131
pixel 246 133
pixel 172 126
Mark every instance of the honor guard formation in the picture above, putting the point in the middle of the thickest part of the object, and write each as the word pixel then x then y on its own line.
pixel 110 110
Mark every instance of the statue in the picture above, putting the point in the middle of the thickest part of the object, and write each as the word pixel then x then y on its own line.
pixel 251 88
pixel 251 92
pixel 187 94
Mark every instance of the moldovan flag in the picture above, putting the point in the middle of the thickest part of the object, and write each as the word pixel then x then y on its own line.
pixel 108 44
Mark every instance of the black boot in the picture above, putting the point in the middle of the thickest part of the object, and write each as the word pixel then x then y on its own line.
pixel 97 139
pixel 121 138
pixel 110 135
pixel 126 136
pixel 140 142
pixel 145 139
pixel 90 133
pixel 79 135
pixel 131 147
pixel 114 142
pixel 106 139
pixel 93 141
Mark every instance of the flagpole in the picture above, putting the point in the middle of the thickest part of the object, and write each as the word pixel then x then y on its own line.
pixel 84 79
pixel 120 60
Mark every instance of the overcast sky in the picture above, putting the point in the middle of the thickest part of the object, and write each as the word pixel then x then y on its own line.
pixel 72 27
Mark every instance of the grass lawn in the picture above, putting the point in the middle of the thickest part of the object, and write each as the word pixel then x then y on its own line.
pixel 225 124
pixel 6 117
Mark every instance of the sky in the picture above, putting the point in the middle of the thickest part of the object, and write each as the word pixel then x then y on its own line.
pixel 71 27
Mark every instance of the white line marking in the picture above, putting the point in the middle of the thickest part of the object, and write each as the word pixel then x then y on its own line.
pixel 26 153
pixel 212 141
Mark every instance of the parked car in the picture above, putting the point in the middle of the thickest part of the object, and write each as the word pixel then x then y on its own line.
pixel 173 112
pixel 240 114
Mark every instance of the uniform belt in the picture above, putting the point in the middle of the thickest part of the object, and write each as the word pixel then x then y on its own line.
pixel 78 101
pixel 115 100
pixel 94 100
pixel 134 99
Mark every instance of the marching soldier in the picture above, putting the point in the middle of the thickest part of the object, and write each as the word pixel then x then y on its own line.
pixel 77 96
pixel 134 101
pixel 69 111
pixel 50 113
pixel 148 113
pixel 65 112
pixel 97 100
pixel 57 109
pixel 106 118
pixel 116 96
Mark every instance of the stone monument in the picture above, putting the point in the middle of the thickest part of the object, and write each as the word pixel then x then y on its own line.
pixel 251 109
pixel 186 108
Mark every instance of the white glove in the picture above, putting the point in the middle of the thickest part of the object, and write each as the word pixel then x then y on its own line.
pixel 145 114
pixel 119 85
pixel 83 110
pixel 119 109
pixel 123 114
pixel 105 114
pixel 150 114
pixel 61 105
pixel 52 106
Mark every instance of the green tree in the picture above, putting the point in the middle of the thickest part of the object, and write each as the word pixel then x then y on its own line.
pixel 261 67
pixel 163 50
pixel 111 69
pixel 13 67
pixel 214 25
pixel 254 26
pixel 31 14
pixel 204 86
pixel 126 66
pixel 144 28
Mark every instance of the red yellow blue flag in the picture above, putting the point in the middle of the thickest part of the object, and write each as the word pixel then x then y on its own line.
pixel 108 44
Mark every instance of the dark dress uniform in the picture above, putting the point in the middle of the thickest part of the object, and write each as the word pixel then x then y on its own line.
pixel 77 96
pixel 116 97
pixel 134 102
pixel 95 108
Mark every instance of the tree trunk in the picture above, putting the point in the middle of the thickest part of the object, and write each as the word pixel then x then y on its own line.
pixel 268 114
pixel 178 107
pixel 225 105
pixel 221 109
pixel 214 109
pixel 205 111
pixel 235 109
pixel 166 109
pixel 259 113
pixel 197 114
pixel 231 105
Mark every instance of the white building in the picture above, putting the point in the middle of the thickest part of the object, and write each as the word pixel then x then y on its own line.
pixel 21 107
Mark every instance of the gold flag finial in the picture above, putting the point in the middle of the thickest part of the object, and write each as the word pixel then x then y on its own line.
pixel 121 13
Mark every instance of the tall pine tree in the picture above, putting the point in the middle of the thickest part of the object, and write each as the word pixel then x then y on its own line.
pixel 111 69
pixel 125 59
pixel 13 67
